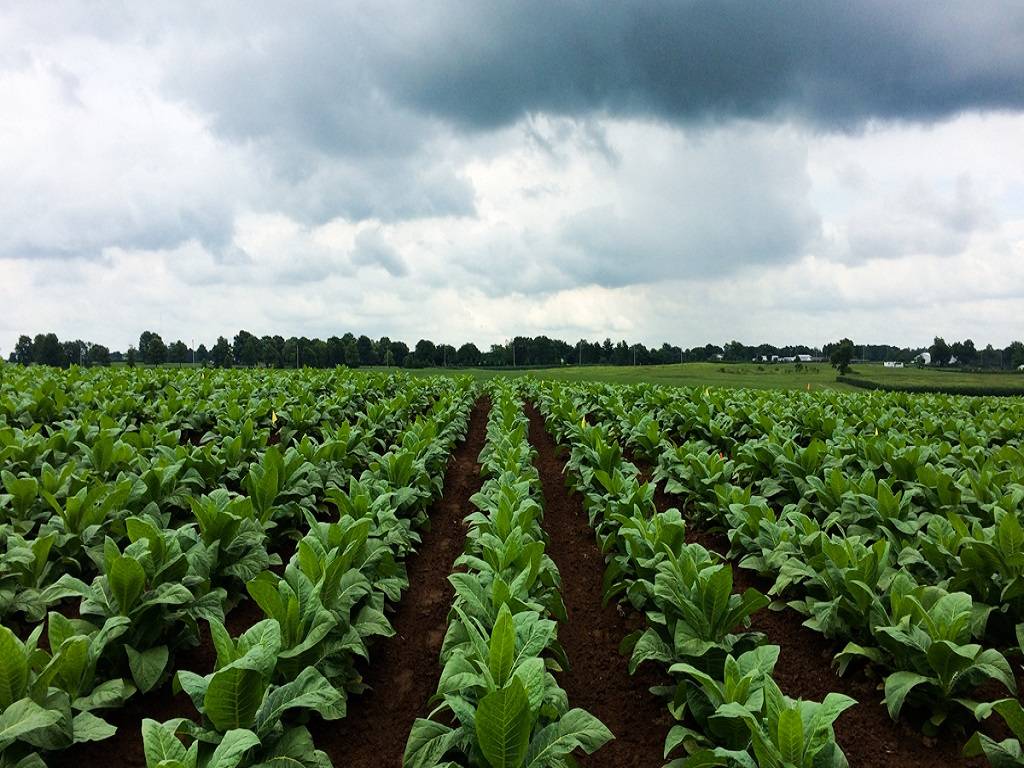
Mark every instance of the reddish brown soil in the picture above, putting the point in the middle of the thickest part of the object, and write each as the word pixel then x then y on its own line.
pixel 598 678
pixel 404 669
pixel 377 724
pixel 866 733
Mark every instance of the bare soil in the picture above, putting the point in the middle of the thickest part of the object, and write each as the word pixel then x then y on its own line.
pixel 403 672
pixel 404 669
pixel 866 733
pixel 598 678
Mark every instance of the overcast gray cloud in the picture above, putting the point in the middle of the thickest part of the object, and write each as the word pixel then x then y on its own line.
pixel 486 168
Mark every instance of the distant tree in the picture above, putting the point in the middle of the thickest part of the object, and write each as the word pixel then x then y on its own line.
pixel 468 354
pixel 988 356
pixel 73 352
pixel 736 351
pixel 445 355
pixel 352 357
pixel 46 350
pixel 382 348
pixel 399 351
pixel 940 351
pixel 144 338
pixel 1015 354
pixel 97 355
pixel 156 351
pixel 131 357
pixel 841 356
pixel 202 354
pixel 23 350
pixel 221 355
pixel 367 352
pixel 424 353
pixel 178 352
pixel 966 353
pixel 245 349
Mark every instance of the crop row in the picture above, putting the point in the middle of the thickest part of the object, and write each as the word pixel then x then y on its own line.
pixel 905 548
pixel 134 576
pixel 498 701
pixel 729 709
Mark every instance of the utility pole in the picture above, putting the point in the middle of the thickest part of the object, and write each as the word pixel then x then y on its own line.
pixel 634 354
pixel 193 351
pixel 296 354
pixel 581 353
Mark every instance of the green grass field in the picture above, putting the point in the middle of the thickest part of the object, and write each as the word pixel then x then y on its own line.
pixel 749 375
pixel 936 378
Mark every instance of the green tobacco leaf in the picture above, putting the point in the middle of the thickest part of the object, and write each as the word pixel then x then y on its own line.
pixel 503 725
pixel 160 744
pixel 577 728
pixel 23 717
pixel 428 742
pixel 294 748
pixel 897 686
pixel 791 736
pixel 13 668
pixel 503 647
pixel 127 580
pixel 87 727
pixel 310 691
pixel 1013 714
pixel 233 697
pixel 232 748
pixel 147 666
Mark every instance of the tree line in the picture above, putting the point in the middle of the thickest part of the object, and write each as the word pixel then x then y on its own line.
pixel 247 349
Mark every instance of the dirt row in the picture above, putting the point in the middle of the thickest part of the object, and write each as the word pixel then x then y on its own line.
pixel 598 678
pixel 404 669
pixel 866 733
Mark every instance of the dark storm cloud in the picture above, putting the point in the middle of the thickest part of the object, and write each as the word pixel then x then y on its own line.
pixel 485 64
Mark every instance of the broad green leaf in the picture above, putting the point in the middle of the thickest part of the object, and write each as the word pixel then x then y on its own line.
pixel 428 742
pixel 87 727
pixel 23 717
pixel 897 686
pixel 233 697
pixel 160 744
pixel 310 691
pixel 503 647
pixel 575 729
pixel 791 736
pixel 232 748
pixel 127 579
pixel 147 666
pixel 13 668
pixel 503 725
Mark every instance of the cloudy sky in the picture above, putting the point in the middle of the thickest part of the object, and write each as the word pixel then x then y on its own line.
pixel 688 171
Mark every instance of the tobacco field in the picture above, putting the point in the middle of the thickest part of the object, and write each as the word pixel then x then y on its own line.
pixel 248 568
